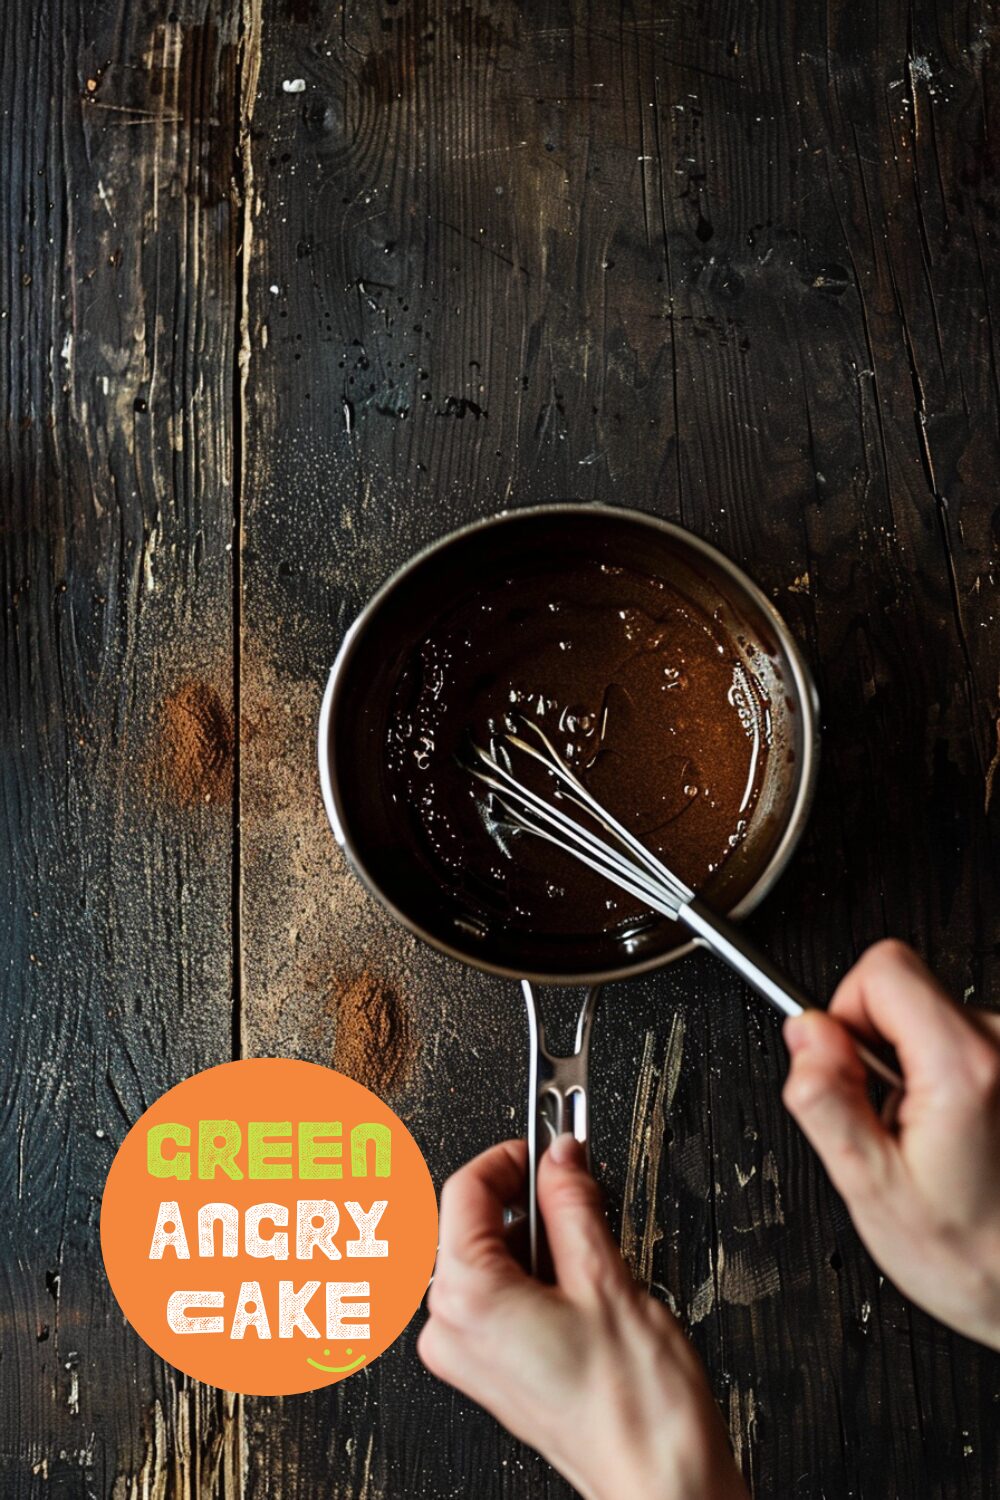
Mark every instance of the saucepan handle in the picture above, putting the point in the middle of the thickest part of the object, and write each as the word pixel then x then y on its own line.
pixel 557 1101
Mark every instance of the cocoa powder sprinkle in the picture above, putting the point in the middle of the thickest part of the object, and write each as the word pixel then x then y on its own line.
pixel 375 1042
pixel 196 751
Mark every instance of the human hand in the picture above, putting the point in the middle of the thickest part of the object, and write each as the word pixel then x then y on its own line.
pixel 591 1371
pixel 924 1195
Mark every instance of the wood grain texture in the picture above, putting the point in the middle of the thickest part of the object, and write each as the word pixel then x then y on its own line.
pixel 733 265
pixel 118 317
pixel 735 268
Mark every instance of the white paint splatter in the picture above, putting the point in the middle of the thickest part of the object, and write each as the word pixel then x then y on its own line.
pixel 147 561
pixel 294 85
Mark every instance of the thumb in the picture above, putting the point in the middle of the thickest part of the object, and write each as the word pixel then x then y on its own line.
pixel 585 1257
pixel 826 1093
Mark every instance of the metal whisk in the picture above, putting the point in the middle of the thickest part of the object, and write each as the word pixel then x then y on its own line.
pixel 623 860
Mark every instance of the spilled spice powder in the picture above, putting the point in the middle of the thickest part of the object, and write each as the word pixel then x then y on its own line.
pixel 309 927
pixel 195 757
pixel 375 1043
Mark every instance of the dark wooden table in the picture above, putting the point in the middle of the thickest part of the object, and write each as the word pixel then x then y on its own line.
pixel 290 289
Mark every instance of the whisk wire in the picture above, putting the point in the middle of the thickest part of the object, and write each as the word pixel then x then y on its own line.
pixel 616 870
pixel 517 797
pixel 555 764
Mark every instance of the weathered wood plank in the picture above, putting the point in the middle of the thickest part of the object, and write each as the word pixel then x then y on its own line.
pixel 117 290
pixel 734 268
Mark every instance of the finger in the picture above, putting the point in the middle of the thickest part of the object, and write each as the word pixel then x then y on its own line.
pixel 988 1021
pixel 435 1348
pixel 473 1200
pixel 890 993
pixel 826 1093
pixel 585 1257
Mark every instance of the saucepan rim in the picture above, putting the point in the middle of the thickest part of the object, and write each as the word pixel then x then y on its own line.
pixel 805 696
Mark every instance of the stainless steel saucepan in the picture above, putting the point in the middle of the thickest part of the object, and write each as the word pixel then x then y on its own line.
pixel 366 819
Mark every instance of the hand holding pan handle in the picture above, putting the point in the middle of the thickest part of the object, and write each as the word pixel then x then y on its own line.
pixel 557 1101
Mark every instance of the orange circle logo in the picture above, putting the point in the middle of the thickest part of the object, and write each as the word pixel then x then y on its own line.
pixel 269 1226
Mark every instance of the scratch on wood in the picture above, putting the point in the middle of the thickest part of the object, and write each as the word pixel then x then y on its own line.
pixel 742 1278
pixel 358 1485
pixel 194 1451
pixel 742 1422
pixel 774 1213
pixel 366 1491
pixel 654 1096
pixel 150 1483
pixel 249 58
pixel 703 1299
pixel 248 73
pixel 991 769
pixel 759 1206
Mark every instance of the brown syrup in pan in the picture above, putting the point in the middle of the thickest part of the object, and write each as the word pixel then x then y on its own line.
pixel 641 691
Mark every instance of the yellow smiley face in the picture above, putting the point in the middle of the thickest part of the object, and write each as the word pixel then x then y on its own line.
pixel 337 1369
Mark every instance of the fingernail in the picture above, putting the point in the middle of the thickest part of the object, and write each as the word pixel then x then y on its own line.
pixel 796 1033
pixel 566 1150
